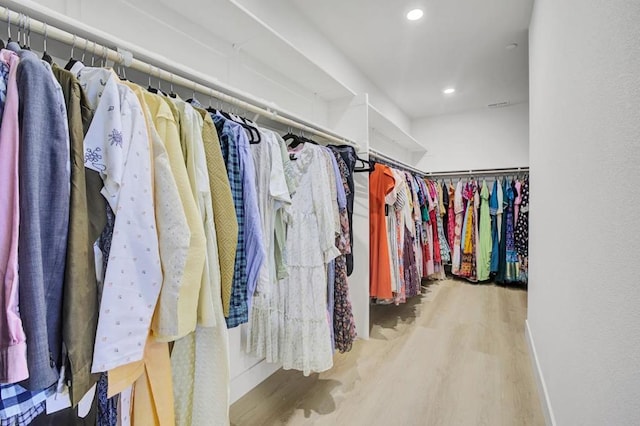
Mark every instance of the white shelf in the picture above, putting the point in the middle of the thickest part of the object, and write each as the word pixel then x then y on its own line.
pixel 249 34
pixel 381 124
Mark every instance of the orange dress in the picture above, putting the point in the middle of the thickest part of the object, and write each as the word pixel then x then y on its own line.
pixel 381 182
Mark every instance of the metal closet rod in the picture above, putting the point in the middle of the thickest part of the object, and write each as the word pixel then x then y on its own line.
pixel 185 78
pixel 479 172
pixel 393 162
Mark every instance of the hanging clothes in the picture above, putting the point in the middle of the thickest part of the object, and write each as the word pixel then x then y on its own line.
pixel 518 200
pixel 522 233
pixel 509 268
pixel 349 157
pixel 344 328
pixel 451 221
pixel 310 247
pixel 381 182
pixel 13 359
pixel 441 218
pixel 44 216
pixel 495 228
pixel 459 210
pixel 263 334
pixel 485 246
pixel 468 265
pixel 234 144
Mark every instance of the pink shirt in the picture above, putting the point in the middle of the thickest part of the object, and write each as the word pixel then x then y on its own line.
pixel 13 346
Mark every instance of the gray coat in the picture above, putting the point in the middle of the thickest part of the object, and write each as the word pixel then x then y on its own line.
pixel 44 217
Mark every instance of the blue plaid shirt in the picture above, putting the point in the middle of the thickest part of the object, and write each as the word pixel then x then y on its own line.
pixel 238 309
pixel 19 406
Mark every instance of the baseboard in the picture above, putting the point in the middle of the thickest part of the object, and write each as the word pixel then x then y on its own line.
pixel 542 386
pixel 251 378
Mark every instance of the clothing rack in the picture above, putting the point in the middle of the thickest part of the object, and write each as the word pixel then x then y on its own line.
pixel 33 17
pixel 479 172
pixel 390 161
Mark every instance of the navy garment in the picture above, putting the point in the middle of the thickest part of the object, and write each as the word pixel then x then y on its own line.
pixel 44 217
pixel 107 407
pixel 348 154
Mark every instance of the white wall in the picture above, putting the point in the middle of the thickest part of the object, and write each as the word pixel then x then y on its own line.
pixel 477 139
pixel 584 297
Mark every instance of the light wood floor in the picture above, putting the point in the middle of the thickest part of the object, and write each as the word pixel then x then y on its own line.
pixel 455 356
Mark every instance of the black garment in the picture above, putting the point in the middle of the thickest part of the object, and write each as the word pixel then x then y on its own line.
pixel 502 259
pixel 522 227
pixel 348 154
pixel 445 202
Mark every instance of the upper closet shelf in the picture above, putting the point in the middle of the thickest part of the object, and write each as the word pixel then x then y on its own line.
pixel 380 123
pixel 248 34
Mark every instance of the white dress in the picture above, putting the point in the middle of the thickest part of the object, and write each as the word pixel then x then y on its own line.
pixel 265 329
pixel 310 246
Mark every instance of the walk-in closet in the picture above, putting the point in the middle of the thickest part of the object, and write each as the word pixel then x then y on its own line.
pixel 284 212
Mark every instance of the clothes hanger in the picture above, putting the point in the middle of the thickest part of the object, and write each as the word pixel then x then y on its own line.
pixel 365 167
pixel 72 61
pixel 248 125
pixel 45 56
pixel 19 26
pixel 150 88
pixel 172 94
pixel 26 32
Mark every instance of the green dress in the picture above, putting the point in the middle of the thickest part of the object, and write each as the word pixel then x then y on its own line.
pixel 484 250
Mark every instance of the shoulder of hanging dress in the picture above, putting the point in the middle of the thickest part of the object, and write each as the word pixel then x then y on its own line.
pixel 161 108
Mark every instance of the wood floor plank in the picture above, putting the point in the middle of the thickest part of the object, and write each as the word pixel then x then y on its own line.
pixel 457 355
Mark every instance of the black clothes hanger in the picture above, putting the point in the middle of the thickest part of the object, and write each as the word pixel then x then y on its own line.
pixel 366 165
pixel 249 126
pixel 296 140
pixel 172 94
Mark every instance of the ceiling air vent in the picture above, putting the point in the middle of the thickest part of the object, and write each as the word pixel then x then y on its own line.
pixel 499 104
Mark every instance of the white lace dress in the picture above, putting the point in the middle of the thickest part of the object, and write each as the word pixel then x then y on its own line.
pixel 310 246
pixel 265 331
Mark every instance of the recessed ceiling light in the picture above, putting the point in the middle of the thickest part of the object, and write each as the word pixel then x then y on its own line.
pixel 512 46
pixel 449 91
pixel 415 14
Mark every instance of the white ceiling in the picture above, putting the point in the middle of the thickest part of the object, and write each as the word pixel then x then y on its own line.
pixel 458 43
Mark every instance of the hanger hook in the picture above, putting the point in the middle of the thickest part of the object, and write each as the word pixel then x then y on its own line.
pixel 122 66
pixel 193 95
pixel 93 53
pixel 159 81
pixel 19 25
pixel 171 83
pixel 28 32
pixel 150 68
pixel 8 23
pixel 24 30
pixel 44 24
pixel 73 46
pixel 105 49
pixel 84 51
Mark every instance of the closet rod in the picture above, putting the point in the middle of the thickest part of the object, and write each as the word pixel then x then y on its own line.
pixel 393 162
pixel 480 172
pixel 65 30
